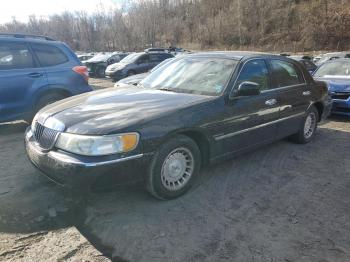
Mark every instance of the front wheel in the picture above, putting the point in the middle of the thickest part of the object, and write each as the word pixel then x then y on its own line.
pixel 308 128
pixel 174 168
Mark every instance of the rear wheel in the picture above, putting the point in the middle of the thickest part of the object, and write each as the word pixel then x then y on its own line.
pixel 174 168
pixel 308 127
pixel 44 101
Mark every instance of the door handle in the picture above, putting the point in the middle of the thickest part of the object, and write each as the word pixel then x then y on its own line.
pixel 270 102
pixel 35 74
pixel 306 93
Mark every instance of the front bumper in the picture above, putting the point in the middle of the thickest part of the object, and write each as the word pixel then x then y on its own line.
pixel 83 173
pixel 117 75
pixel 341 107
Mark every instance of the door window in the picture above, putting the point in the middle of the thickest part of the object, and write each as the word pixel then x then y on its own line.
pixel 255 71
pixel 15 56
pixel 49 55
pixel 285 74
pixel 143 59
pixel 155 58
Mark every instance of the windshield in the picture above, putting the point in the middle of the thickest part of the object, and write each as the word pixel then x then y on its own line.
pixel 204 76
pixel 130 58
pixel 336 68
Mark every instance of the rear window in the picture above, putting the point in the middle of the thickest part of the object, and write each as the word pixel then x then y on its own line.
pixel 49 55
pixel 285 74
pixel 15 56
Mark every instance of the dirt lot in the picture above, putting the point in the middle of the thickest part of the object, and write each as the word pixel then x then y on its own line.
pixel 281 203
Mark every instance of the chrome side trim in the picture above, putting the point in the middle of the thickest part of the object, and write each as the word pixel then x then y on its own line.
pixel 70 160
pixel 220 137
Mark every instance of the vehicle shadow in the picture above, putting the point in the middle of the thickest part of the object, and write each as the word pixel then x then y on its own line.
pixel 240 209
pixel 281 193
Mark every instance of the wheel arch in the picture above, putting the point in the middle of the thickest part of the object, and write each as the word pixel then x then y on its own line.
pixel 320 108
pixel 200 139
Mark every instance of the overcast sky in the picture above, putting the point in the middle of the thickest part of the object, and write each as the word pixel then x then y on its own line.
pixel 21 9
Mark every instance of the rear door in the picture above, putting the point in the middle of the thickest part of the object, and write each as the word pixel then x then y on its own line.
pixel 20 77
pixel 58 66
pixel 294 95
pixel 250 120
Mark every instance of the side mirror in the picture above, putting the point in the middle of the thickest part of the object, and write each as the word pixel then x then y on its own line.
pixel 246 89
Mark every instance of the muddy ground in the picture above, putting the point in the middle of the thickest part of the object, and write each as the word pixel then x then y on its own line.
pixel 281 203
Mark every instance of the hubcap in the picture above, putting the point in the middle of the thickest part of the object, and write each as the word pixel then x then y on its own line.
pixel 177 169
pixel 309 126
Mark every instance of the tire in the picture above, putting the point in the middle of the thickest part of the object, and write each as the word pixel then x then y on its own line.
pixel 101 72
pixel 177 160
pixel 308 127
pixel 42 102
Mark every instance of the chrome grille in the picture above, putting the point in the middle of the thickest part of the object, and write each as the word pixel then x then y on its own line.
pixel 46 137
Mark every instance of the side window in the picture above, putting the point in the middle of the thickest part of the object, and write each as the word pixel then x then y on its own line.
pixel 255 71
pixel 49 55
pixel 143 59
pixel 285 74
pixel 15 56
pixel 155 58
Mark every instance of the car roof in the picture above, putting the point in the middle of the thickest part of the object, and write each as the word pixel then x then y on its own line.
pixel 236 55
pixel 28 39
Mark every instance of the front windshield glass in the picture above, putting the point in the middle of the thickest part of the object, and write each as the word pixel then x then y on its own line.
pixel 130 58
pixel 196 75
pixel 336 68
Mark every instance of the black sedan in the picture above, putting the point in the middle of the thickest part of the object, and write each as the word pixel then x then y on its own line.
pixel 196 110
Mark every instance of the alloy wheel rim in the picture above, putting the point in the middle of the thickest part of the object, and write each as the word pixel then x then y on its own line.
pixel 177 169
pixel 309 126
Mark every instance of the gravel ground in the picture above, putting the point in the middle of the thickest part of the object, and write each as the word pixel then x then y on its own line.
pixel 280 203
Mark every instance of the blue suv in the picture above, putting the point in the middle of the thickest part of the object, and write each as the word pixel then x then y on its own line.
pixel 36 71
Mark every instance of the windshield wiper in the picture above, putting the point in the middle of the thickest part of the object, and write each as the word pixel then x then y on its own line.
pixel 166 89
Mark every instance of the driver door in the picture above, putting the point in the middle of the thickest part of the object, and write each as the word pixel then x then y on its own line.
pixel 249 120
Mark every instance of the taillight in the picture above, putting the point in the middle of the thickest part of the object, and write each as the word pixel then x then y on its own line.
pixel 83 71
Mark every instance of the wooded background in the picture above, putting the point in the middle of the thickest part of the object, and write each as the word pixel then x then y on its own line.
pixel 266 25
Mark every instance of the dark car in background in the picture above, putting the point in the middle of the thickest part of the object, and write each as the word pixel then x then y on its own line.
pixel 306 61
pixel 98 64
pixel 336 73
pixel 135 64
pixel 84 57
pixel 193 111
pixel 135 79
pixel 36 71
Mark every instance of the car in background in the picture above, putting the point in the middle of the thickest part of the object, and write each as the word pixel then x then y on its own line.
pixel 36 71
pixel 136 63
pixel 332 56
pixel 97 65
pixel 135 79
pixel 336 74
pixel 195 110
pixel 306 61
pixel 156 49
pixel 84 57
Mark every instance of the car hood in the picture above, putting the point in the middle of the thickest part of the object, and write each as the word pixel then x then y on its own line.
pixel 132 80
pixel 336 84
pixel 110 110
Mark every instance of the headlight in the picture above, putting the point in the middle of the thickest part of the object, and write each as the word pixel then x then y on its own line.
pixel 97 145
